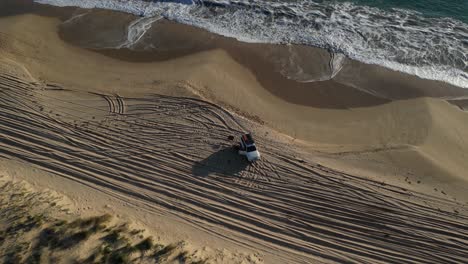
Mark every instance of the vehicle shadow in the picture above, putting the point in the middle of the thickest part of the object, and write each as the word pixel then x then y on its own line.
pixel 225 162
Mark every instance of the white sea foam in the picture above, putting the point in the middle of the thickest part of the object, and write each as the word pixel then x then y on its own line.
pixel 401 40
pixel 76 17
pixel 137 29
pixel 336 64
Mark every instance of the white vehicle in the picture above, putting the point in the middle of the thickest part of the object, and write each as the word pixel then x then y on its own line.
pixel 247 148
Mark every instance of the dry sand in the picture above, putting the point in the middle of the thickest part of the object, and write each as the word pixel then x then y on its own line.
pixel 44 227
pixel 352 169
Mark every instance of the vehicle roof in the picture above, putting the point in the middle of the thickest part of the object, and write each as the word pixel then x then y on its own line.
pixel 247 138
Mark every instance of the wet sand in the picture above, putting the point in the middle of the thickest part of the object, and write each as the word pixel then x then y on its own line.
pixel 344 159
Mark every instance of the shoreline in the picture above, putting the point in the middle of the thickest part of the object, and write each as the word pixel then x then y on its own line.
pixel 398 85
pixel 150 132
pixel 244 34
pixel 176 40
pixel 330 116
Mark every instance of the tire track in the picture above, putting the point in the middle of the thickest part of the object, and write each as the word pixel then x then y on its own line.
pixel 172 155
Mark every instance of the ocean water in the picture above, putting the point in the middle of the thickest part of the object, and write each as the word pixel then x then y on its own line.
pixel 427 38
pixel 456 9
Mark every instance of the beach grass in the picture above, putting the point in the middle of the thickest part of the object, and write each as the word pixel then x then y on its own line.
pixel 35 230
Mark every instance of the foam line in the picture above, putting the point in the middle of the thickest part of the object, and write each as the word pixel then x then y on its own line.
pixel 137 29
pixel 402 40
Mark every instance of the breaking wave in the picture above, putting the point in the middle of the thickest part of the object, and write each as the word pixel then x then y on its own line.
pixel 402 40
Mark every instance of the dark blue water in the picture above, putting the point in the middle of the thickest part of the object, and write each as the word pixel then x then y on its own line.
pixel 457 9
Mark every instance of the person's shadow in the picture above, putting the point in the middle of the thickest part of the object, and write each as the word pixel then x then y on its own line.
pixel 226 161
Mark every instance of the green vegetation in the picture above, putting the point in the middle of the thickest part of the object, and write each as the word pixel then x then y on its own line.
pixel 145 245
pixel 53 236
pixel 161 252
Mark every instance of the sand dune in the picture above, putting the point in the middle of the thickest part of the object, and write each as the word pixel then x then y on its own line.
pixel 173 154
pixel 40 227
pixel 154 135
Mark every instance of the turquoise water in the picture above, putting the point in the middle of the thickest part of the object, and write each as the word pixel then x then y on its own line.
pixel 457 9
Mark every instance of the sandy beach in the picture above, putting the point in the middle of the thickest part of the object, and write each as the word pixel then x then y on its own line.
pixel 359 164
